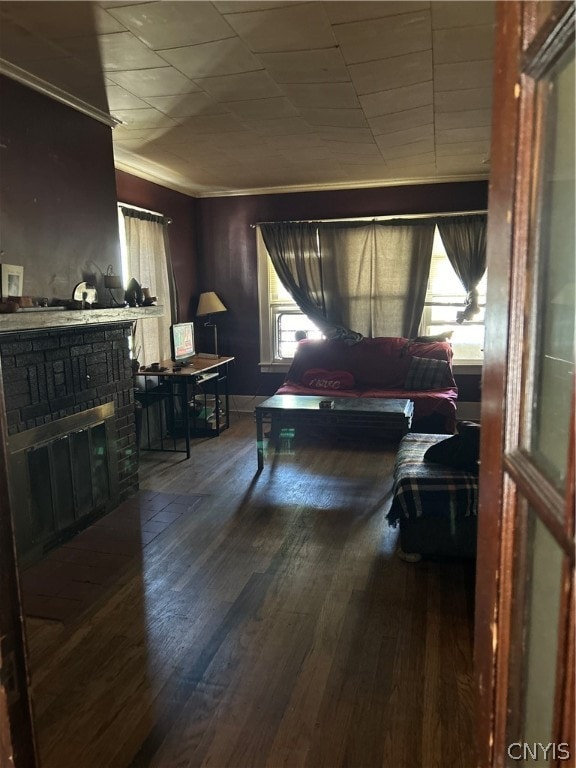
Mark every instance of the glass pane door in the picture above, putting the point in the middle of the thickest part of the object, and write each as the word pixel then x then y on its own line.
pixel 553 361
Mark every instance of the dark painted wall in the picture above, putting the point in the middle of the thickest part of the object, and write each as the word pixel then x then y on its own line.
pixel 181 233
pixel 57 193
pixel 227 251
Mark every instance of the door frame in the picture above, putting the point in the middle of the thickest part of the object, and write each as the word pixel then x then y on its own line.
pixel 524 32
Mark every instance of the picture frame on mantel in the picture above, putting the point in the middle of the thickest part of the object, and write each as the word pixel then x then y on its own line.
pixel 12 280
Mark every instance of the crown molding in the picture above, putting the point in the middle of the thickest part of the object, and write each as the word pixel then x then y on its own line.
pixel 58 94
pixel 125 161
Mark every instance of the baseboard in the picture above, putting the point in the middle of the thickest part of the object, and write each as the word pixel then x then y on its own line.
pixel 246 403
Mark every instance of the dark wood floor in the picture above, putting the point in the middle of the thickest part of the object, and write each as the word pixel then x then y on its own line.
pixel 270 625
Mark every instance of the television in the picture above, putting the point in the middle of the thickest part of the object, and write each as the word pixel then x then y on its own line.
pixel 182 342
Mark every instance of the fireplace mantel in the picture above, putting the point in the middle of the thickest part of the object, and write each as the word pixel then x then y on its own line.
pixel 39 319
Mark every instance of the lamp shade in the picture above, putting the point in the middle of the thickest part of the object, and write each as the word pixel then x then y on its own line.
pixel 209 304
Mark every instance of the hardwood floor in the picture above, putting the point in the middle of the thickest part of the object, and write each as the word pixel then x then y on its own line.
pixel 271 625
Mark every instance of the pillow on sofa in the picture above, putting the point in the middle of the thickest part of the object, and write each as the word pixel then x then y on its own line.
pixel 319 378
pixel 460 451
pixel 427 373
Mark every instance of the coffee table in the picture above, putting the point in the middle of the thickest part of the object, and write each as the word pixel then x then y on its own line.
pixel 393 417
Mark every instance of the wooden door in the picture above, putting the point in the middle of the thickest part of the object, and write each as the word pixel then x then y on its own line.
pixel 524 643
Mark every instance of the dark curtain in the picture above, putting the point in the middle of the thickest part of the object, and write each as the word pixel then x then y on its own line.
pixel 464 238
pixel 295 253
pixel 355 279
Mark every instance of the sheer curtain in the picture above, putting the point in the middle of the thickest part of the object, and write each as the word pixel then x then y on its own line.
pixel 355 279
pixel 148 263
pixel 464 239
pixel 376 273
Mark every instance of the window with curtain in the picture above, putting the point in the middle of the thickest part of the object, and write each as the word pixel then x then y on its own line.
pixel 391 277
pixel 146 258
pixel 444 300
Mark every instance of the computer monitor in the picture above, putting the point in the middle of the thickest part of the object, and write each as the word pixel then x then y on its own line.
pixel 182 342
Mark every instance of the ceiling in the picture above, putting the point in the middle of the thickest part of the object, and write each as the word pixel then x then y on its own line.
pixel 220 98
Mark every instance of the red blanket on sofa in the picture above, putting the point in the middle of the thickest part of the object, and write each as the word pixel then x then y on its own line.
pixel 381 367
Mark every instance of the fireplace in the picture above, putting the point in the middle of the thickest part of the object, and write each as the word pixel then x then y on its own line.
pixel 69 400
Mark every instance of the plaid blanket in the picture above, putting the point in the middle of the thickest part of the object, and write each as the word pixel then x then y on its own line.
pixel 421 487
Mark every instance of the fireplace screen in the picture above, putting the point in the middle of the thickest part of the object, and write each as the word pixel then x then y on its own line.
pixel 63 475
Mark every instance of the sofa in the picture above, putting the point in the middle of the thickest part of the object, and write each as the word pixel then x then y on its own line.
pixel 435 495
pixel 388 367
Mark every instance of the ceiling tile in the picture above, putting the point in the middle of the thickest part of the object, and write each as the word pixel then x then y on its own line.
pixel 320 66
pixel 453 77
pixel 186 105
pixel 293 28
pixel 329 95
pixel 463 44
pixel 250 85
pixel 398 99
pixel 471 13
pixel 472 164
pixel 399 121
pixel 420 133
pixel 463 134
pixel 222 57
pixel 285 126
pixel 358 160
pixel 297 141
pixel 306 154
pixel 143 118
pixel 384 38
pixel 348 118
pixel 358 10
pixel 173 24
pixel 118 51
pixel 349 148
pixel 158 81
pixel 353 135
pixel 407 150
pixel 463 148
pixel 471 98
pixel 426 158
pixel 398 71
pixel 264 108
pixel 250 5
pixel 211 124
pixel 463 119
pixel 119 98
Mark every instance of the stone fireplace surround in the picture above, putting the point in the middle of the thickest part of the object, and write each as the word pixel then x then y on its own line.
pixel 67 363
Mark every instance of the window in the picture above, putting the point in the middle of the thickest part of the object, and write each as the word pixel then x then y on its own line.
pixel 280 317
pixel 444 298
pixel 145 258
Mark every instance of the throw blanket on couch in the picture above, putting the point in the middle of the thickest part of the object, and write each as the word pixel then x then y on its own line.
pixel 387 367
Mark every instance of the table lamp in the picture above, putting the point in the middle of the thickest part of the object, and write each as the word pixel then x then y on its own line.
pixel 208 305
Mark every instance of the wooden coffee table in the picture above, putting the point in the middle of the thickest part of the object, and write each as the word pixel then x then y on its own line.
pixel 392 417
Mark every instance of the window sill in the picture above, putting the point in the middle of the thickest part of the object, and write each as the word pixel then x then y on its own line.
pixel 464 367
pixel 276 367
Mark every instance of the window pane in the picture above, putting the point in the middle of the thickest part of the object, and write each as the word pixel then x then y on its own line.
pixel 288 325
pixel 542 612
pixel 554 347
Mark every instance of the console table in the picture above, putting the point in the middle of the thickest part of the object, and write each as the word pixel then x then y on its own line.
pixel 187 400
pixel 392 417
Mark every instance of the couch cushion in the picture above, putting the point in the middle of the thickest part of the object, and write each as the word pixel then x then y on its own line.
pixel 320 378
pixel 426 373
